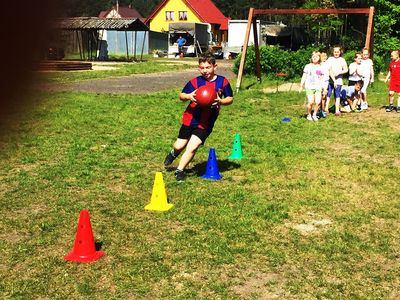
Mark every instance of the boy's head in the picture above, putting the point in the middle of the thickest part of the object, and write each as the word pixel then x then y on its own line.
pixel 395 54
pixel 207 57
pixel 207 65
pixel 358 57
pixel 358 85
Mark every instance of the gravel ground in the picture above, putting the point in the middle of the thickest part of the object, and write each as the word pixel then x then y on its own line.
pixel 138 83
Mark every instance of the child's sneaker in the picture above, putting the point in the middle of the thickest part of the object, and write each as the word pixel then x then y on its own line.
pixel 315 118
pixel 389 108
pixel 179 175
pixel 398 109
pixel 310 118
pixel 169 159
pixel 364 106
pixel 324 114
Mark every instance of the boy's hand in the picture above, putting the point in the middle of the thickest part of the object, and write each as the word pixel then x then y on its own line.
pixel 217 101
pixel 192 96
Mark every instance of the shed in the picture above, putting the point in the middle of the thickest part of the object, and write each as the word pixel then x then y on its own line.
pixel 89 31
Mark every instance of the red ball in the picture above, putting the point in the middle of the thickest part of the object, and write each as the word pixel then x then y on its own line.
pixel 205 95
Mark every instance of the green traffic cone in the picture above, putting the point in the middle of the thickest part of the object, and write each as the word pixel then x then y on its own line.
pixel 237 148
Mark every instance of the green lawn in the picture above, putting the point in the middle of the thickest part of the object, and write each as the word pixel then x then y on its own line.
pixel 311 212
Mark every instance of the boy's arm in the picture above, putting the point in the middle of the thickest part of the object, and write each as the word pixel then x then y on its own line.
pixel 387 76
pixel 188 96
pixel 225 101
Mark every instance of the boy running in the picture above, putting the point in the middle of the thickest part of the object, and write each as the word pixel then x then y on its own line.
pixel 198 121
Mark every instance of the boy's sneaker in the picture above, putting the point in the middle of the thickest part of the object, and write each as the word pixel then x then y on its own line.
pixel 323 114
pixel 169 159
pixel 389 108
pixel 364 106
pixel 310 118
pixel 315 118
pixel 398 109
pixel 179 175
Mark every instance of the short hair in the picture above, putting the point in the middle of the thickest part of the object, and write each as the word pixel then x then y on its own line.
pixel 357 53
pixel 365 49
pixel 207 56
pixel 360 82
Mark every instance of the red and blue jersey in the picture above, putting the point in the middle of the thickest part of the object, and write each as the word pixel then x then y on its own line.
pixel 204 117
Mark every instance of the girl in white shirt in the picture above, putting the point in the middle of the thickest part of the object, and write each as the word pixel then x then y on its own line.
pixel 368 75
pixel 337 67
pixel 313 81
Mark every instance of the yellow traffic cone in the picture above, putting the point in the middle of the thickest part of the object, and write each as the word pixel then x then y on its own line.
pixel 158 199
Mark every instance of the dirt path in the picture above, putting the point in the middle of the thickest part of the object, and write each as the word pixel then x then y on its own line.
pixel 138 83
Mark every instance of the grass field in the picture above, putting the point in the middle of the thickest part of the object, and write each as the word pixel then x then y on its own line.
pixel 311 212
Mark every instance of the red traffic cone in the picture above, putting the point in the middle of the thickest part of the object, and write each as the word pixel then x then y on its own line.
pixel 84 248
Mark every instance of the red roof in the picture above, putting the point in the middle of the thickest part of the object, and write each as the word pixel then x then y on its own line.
pixel 205 10
pixel 124 12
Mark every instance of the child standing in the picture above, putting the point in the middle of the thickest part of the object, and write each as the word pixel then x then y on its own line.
pixel 394 83
pixel 198 121
pixel 312 80
pixel 324 65
pixel 368 75
pixel 337 67
pixel 355 70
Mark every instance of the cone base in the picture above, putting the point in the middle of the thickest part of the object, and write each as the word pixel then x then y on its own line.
pixel 83 258
pixel 212 177
pixel 163 207
pixel 233 157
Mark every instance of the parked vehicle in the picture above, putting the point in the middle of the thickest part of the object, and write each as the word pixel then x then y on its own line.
pixel 197 35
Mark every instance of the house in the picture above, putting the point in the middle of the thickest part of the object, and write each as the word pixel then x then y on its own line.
pixel 190 11
pixel 123 42
pixel 119 11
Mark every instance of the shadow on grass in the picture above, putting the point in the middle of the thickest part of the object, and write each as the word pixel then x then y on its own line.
pixel 200 168
pixel 223 165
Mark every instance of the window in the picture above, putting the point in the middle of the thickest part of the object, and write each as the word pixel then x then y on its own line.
pixel 183 16
pixel 169 15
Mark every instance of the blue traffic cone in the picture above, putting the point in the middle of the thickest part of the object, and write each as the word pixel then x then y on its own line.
pixel 212 167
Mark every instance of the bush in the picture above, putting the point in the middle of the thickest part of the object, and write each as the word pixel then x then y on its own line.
pixel 276 60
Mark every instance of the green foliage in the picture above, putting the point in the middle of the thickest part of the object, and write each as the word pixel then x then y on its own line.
pixel 386 27
pixel 276 60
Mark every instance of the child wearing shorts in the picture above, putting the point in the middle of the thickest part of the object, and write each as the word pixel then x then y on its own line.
pixel 312 81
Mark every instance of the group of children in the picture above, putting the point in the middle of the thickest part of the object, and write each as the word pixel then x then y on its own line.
pixel 323 77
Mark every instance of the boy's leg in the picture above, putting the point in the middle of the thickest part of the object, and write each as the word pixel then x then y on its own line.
pixel 177 148
pixel 391 99
pixel 191 148
pixel 398 102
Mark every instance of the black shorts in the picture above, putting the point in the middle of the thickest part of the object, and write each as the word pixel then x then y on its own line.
pixel 185 132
